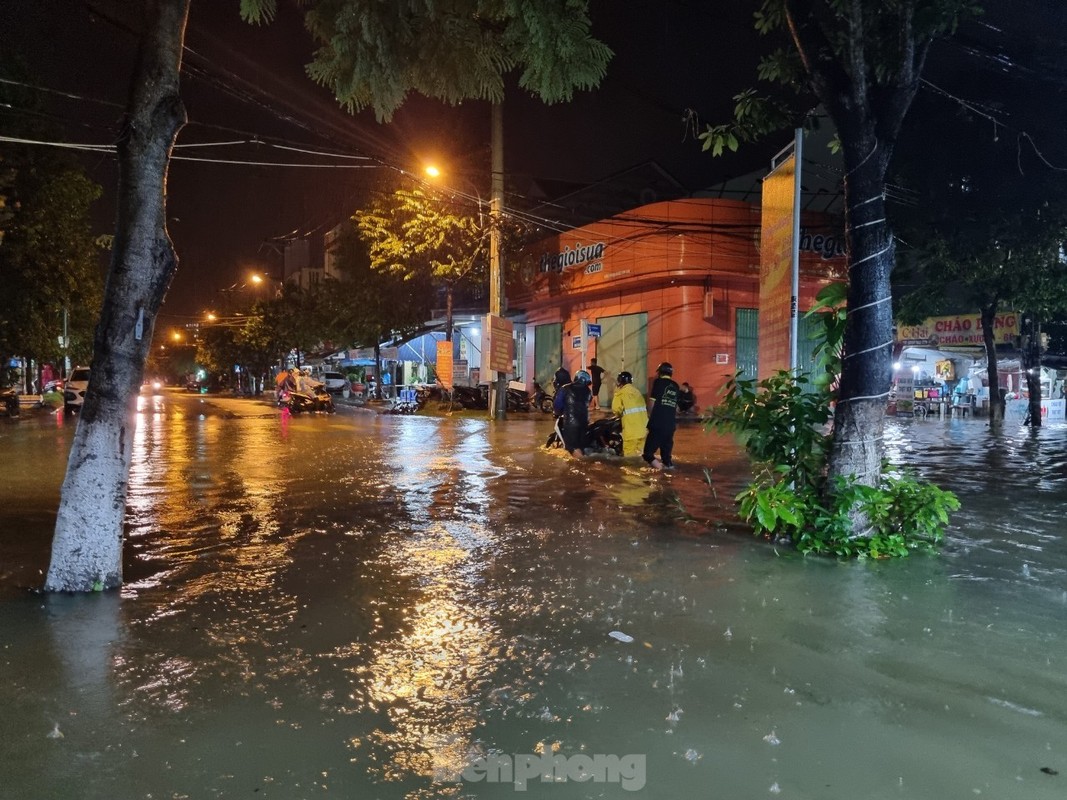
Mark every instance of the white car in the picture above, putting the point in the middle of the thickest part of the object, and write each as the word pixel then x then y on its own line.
pixel 334 381
pixel 74 389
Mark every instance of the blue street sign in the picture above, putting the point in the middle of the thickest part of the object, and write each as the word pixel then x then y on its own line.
pixel 593 330
pixel 576 342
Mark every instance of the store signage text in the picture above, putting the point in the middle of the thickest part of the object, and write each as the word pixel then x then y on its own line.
pixel 572 257
pixel 960 329
pixel 826 246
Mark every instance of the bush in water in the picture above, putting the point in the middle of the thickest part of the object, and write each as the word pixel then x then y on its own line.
pixel 783 423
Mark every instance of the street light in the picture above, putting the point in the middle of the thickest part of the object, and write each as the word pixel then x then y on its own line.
pixel 498 397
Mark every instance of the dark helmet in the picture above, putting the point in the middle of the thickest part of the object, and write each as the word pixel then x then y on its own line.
pixel 624 378
pixel 581 376
pixel 665 369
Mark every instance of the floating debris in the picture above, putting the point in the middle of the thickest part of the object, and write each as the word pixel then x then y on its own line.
pixel 619 636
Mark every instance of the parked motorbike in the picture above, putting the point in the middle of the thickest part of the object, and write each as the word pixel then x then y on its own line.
pixel 9 399
pixel 601 436
pixel 470 397
pixel 542 400
pixel 518 400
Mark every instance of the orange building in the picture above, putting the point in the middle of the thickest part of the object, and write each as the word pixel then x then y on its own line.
pixel 673 281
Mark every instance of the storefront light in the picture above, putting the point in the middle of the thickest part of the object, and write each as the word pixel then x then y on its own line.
pixel 896 366
pixel 915 370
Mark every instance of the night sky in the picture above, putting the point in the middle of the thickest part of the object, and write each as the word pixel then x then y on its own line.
pixel 242 82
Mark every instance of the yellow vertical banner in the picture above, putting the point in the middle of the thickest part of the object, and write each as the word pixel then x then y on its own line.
pixel 776 267
pixel 444 364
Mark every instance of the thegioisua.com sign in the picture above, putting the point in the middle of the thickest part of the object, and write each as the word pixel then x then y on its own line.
pixel 573 257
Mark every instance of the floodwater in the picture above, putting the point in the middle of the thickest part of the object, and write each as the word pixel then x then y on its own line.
pixel 360 606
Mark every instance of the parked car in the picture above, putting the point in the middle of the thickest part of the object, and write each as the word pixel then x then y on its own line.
pixel 74 389
pixel 335 382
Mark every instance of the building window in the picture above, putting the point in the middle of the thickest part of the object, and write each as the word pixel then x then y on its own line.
pixel 747 339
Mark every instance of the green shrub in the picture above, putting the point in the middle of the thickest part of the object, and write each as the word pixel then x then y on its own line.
pixel 783 423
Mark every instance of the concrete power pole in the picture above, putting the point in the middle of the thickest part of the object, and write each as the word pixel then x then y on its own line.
pixel 499 403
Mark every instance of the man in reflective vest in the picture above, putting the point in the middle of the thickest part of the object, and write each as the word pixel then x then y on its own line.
pixel 663 419
pixel 629 406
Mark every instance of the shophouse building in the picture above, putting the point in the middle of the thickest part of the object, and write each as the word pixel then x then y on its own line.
pixel 673 281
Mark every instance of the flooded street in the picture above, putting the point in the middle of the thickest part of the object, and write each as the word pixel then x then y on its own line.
pixel 359 606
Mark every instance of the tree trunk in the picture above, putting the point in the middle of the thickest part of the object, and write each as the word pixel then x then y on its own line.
pixel 1032 365
pixel 867 359
pixel 87 548
pixel 996 399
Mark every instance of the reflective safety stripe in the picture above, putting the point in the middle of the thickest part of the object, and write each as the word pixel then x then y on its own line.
pixel 634 410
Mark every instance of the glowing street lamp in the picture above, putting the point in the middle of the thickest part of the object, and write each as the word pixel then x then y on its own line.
pixel 498 404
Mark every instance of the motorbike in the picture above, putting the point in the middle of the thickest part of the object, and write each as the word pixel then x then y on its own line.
pixel 601 436
pixel 9 399
pixel 518 400
pixel 317 399
pixel 542 400
pixel 470 397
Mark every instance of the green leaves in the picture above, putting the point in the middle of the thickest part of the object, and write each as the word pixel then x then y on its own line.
pixel 372 54
pixel 784 429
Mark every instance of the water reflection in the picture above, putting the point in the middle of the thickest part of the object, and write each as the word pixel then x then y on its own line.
pixel 428 679
pixel 359 605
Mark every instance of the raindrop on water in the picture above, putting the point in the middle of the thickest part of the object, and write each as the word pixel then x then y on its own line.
pixel 772 738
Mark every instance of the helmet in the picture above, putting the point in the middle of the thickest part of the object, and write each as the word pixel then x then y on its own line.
pixel 581 376
pixel 624 378
pixel 665 369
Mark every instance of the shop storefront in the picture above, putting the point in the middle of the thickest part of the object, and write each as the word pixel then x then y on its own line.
pixel 675 281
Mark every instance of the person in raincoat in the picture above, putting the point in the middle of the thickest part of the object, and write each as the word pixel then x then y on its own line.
pixel 572 406
pixel 629 406
pixel 663 419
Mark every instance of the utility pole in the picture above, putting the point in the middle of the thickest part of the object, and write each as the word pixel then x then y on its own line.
pixel 499 395
pixel 66 346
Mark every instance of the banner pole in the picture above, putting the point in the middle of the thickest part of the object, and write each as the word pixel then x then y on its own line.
pixel 794 302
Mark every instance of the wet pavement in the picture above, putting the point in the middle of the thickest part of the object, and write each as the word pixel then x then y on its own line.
pixel 362 605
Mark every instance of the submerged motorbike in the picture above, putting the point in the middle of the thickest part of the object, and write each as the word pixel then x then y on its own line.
pixel 601 436
pixel 315 399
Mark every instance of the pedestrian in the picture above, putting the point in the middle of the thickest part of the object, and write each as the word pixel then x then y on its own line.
pixel 663 419
pixel 686 399
pixel 561 378
pixel 597 373
pixel 629 405
pixel 572 406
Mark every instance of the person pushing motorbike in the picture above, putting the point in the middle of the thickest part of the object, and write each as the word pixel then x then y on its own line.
pixel 663 419
pixel 572 404
pixel 629 405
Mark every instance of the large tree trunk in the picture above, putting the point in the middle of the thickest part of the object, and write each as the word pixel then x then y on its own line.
pixel 1032 365
pixel 87 548
pixel 867 361
pixel 996 399
pixel 868 115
